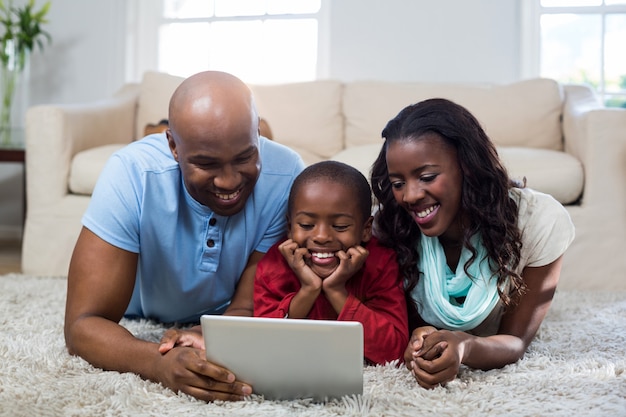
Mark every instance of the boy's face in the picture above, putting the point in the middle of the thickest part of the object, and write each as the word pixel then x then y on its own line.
pixel 325 218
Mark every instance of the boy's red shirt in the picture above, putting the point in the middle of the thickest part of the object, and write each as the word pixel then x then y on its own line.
pixel 376 300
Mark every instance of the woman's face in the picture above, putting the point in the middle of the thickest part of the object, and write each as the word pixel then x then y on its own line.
pixel 426 180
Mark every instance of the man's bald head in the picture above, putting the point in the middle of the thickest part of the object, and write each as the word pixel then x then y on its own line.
pixel 211 100
pixel 214 136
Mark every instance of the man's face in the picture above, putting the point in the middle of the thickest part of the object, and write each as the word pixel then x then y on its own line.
pixel 219 170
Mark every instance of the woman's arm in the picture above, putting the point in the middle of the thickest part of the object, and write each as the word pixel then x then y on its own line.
pixel 437 356
pixel 519 326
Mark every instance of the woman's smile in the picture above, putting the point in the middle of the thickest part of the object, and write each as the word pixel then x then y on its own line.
pixel 426 180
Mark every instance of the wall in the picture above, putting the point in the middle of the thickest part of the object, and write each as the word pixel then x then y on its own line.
pixel 394 40
pixel 423 40
pixel 84 62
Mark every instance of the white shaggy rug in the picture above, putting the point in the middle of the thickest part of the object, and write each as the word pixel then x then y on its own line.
pixel 575 366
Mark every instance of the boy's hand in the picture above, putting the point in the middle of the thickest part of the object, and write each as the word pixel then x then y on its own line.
pixel 334 286
pixel 295 257
pixel 349 264
pixel 174 337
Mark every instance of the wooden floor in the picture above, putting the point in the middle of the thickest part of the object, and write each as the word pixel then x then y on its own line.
pixel 10 254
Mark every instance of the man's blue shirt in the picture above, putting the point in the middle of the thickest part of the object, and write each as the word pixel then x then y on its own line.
pixel 190 259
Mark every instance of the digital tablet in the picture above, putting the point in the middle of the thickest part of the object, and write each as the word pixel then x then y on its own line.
pixel 285 359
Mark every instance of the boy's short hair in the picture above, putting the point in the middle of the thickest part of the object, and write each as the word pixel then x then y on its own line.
pixel 338 173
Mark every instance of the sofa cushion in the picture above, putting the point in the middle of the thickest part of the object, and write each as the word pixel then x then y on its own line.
pixel 525 113
pixel 552 172
pixel 86 167
pixel 304 116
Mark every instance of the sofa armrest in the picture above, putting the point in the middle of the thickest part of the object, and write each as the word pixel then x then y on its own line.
pixel 55 133
pixel 597 137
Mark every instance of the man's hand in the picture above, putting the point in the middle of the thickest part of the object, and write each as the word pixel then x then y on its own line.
pixel 185 369
pixel 101 279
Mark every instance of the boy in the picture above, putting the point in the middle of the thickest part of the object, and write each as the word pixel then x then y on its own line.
pixel 330 266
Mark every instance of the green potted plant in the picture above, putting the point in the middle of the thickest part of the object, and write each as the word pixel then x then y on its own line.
pixel 20 28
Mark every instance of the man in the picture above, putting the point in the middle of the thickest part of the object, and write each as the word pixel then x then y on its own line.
pixel 174 230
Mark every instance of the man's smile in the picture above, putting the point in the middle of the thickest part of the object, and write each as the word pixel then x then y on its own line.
pixel 227 197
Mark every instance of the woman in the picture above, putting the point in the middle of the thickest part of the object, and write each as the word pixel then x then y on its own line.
pixel 480 255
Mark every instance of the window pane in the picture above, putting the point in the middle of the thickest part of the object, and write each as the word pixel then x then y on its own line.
pixel 615 53
pixel 183 48
pixel 239 7
pixel 571 47
pixel 291 6
pixel 615 101
pixel 614 2
pixel 290 58
pixel 260 52
pixel 257 47
pixel 187 8
pixel 570 3
pixel 259 7
pixel 236 48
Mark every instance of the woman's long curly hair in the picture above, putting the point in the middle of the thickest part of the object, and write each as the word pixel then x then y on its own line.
pixel 485 201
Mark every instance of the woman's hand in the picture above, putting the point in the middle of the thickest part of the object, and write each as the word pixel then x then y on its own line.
pixel 434 356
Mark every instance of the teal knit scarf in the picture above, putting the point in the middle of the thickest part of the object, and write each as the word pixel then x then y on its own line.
pixel 452 300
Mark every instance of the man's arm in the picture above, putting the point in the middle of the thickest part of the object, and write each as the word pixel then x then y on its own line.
pixel 99 287
pixel 242 303
pixel 100 284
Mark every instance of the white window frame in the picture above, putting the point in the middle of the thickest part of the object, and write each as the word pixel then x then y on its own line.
pixel 145 16
pixel 530 42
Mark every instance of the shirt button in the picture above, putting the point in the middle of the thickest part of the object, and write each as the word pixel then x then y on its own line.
pixel 210 243
pixel 212 221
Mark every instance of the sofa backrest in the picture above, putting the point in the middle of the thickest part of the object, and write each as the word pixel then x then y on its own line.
pixel 526 113
pixel 156 89
pixel 305 116
pixel 320 118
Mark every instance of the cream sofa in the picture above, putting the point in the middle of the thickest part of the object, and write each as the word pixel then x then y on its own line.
pixel 557 136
